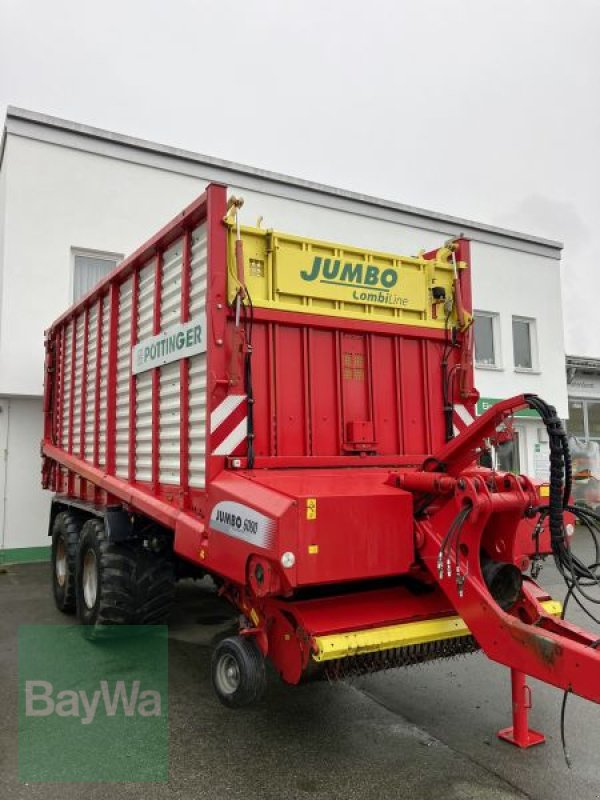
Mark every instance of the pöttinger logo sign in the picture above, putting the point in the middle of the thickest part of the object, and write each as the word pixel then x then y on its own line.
pixel 179 341
pixel 93 710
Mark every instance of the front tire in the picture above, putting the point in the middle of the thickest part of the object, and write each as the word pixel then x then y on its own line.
pixel 121 583
pixel 238 671
pixel 65 538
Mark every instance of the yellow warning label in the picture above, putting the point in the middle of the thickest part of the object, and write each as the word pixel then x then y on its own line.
pixel 545 490
pixel 311 508
pixel 313 549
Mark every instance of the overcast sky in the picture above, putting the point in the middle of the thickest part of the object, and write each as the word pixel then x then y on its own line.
pixel 486 109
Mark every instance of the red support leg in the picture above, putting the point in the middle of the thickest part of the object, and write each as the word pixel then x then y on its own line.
pixel 520 734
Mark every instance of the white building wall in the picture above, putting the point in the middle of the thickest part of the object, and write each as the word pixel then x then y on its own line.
pixel 57 199
pixel 61 197
pixel 510 283
pixel 24 515
pixel 526 285
pixel 3 212
pixel 532 434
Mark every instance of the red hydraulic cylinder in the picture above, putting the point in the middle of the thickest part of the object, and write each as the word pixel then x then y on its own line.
pixel 520 734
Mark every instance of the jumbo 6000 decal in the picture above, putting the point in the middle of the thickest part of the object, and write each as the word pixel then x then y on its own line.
pixel 242 522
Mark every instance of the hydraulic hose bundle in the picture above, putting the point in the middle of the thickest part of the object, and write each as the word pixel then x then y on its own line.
pixel 560 467
pixel 578 576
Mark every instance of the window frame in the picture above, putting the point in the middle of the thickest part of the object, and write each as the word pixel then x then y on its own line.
pixel 87 252
pixel 496 340
pixel 583 416
pixel 588 403
pixel 533 343
pixel 585 401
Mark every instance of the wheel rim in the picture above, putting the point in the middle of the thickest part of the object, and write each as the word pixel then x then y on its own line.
pixel 60 563
pixel 90 579
pixel 228 674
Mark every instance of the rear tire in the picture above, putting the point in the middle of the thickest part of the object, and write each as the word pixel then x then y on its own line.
pixel 238 671
pixel 65 538
pixel 120 583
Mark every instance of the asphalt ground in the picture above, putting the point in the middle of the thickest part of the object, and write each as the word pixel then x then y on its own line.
pixel 421 732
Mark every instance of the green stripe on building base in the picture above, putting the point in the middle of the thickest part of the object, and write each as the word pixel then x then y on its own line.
pixel 24 555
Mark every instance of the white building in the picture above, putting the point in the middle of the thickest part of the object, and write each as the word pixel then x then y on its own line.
pixel 75 199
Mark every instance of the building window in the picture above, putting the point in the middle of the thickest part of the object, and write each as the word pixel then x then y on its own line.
pixel 584 419
pixel 486 339
pixel 89 268
pixel 576 424
pixel 524 345
pixel 507 455
pixel 593 419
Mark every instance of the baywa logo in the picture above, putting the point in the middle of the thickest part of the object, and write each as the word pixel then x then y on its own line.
pixel 93 710
pixel 369 283
pixel 43 699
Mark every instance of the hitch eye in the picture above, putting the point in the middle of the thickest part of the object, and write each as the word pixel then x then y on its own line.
pixel 503 580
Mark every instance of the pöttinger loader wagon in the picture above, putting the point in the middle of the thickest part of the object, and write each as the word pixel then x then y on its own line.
pixel 296 418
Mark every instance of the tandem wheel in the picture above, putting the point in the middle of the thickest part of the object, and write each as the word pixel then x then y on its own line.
pixel 238 671
pixel 120 583
pixel 65 540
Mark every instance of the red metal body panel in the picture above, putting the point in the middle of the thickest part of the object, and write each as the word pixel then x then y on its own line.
pixel 350 524
pixel 184 377
pixel 371 609
pixel 132 377
pixel 229 555
pixel 393 384
pixel 223 362
pixel 156 377
pixel 111 391
pixel 99 346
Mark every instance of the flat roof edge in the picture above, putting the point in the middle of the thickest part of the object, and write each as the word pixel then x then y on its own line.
pixel 583 361
pixel 15 113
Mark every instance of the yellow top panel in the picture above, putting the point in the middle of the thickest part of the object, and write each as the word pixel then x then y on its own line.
pixel 290 273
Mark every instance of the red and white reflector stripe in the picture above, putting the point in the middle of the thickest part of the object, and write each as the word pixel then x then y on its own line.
pixel 228 425
pixel 461 419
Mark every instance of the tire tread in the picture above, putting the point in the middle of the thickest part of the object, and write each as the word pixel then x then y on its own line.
pixel 68 526
pixel 136 586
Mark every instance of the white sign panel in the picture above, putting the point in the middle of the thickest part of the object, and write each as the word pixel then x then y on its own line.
pixel 243 522
pixel 583 385
pixel 541 462
pixel 179 341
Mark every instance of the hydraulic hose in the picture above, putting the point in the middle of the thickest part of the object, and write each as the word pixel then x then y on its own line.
pixel 560 467
pixel 579 577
